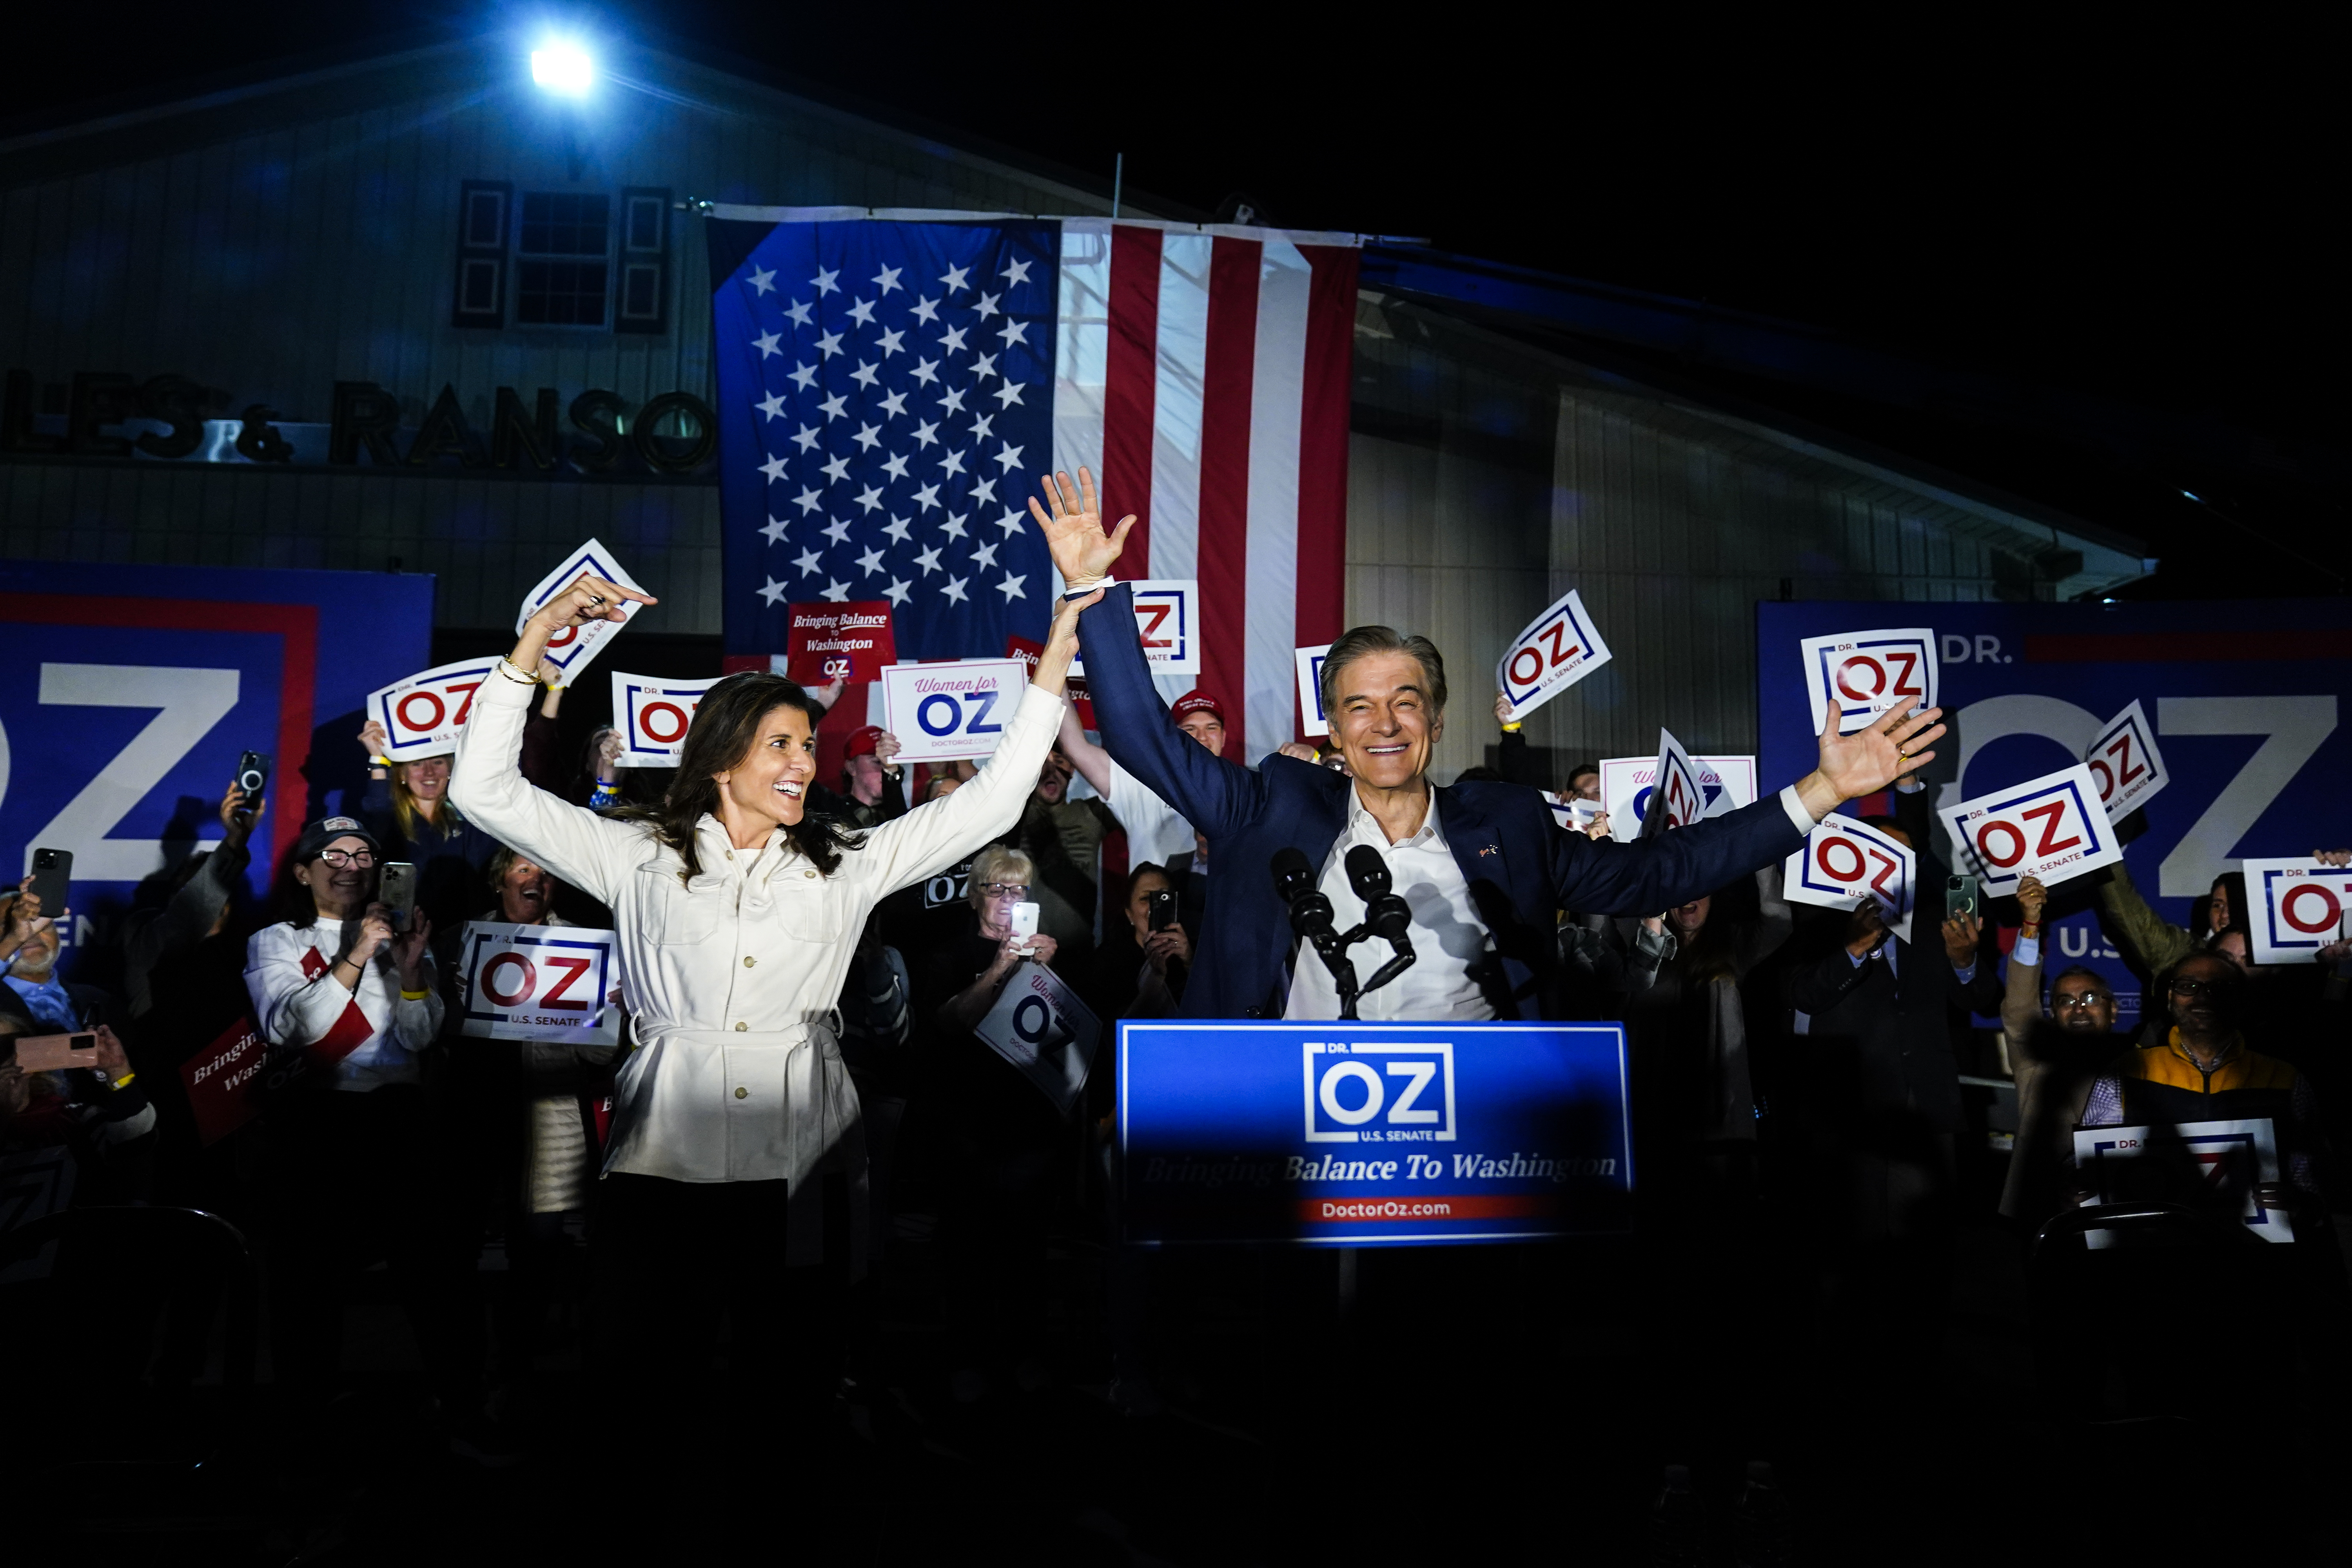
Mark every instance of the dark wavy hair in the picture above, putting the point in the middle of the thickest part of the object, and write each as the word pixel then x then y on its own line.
pixel 726 727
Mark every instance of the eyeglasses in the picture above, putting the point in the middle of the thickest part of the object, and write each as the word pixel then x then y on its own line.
pixel 1005 890
pixel 340 858
pixel 2081 1001
pixel 2197 987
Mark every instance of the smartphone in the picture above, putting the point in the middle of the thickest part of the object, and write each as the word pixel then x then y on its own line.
pixel 253 773
pixel 52 1053
pixel 52 875
pixel 1960 896
pixel 397 892
pixel 1163 909
pixel 1024 923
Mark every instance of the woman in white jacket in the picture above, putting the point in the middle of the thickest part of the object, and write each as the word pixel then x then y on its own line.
pixel 735 1144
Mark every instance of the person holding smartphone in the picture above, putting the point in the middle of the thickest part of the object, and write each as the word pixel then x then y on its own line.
pixel 736 1148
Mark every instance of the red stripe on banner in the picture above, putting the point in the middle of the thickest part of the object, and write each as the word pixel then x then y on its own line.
pixel 1227 374
pixel 1131 389
pixel 2171 647
pixel 1323 443
pixel 296 626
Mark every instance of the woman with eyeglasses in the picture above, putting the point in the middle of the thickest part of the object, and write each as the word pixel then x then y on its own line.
pixel 737 1150
pixel 346 1005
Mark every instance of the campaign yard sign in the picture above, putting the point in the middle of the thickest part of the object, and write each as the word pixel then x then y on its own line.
pixel 1726 784
pixel 2199 1164
pixel 2299 907
pixel 1167 622
pixel 832 640
pixel 423 715
pixel 1552 652
pixel 653 714
pixel 1843 861
pixel 572 649
pixel 1344 1133
pixel 1040 1027
pixel 2125 763
pixel 1311 718
pixel 945 712
pixel 1870 673
pixel 538 982
pixel 2052 828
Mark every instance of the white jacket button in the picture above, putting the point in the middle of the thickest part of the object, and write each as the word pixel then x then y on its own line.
pixel 750 962
pixel 741 1027
pixel 742 1094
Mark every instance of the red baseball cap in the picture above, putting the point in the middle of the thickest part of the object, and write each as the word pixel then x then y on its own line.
pixel 863 742
pixel 1196 701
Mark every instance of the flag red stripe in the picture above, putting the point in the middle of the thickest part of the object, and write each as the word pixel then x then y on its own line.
pixel 1323 443
pixel 1226 378
pixel 1128 388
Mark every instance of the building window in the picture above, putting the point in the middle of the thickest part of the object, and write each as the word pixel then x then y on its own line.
pixel 483 209
pixel 563 260
pixel 577 258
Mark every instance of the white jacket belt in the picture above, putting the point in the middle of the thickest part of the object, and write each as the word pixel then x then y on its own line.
pixel 731 978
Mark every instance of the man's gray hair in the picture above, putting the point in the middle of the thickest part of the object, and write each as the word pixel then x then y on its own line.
pixel 1360 641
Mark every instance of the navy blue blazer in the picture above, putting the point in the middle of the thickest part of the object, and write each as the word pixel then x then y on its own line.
pixel 1521 868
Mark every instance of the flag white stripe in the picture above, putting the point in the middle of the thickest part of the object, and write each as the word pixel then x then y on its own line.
pixel 1181 353
pixel 1278 392
pixel 1081 349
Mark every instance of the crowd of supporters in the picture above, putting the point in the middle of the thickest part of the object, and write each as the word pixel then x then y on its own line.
pixel 1800 1124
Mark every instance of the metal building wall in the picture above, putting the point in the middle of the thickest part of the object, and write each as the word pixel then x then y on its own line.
pixel 275 243
pixel 1488 479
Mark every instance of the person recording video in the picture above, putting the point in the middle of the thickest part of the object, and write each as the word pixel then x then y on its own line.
pixel 1480 866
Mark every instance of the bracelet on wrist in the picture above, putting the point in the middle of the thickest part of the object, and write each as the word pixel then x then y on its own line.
pixel 1512 728
pixel 408 996
pixel 122 1082
pixel 515 672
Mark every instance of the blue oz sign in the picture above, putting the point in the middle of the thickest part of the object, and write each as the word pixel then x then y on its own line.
pixel 1342 1133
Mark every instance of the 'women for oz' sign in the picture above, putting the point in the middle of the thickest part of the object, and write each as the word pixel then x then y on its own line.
pixel 539 983
pixel 2052 828
pixel 945 712
pixel 653 715
pixel 423 714
pixel 1040 1027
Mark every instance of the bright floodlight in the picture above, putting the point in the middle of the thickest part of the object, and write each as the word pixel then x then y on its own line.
pixel 562 68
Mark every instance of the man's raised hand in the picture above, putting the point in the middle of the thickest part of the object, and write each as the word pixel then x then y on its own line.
pixel 1878 754
pixel 1072 523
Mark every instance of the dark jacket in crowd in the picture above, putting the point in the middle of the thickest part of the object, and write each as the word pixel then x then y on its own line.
pixel 1521 869
pixel 450 864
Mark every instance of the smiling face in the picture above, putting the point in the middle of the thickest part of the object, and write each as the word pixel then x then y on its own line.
pixel 1384 723
pixel 524 893
pixel 769 783
pixel 339 891
pixel 1053 780
pixel 2204 995
pixel 426 778
pixel 1688 917
pixel 2219 910
pixel 2081 1005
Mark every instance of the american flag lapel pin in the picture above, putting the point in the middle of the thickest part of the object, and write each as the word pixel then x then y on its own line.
pixel 1494 849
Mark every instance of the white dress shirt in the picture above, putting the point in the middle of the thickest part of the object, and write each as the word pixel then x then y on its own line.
pixel 1447 934
pixel 731 979
pixel 1155 831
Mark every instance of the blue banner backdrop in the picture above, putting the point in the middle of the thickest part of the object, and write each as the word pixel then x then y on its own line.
pixel 141 686
pixel 1371 1134
pixel 2244 696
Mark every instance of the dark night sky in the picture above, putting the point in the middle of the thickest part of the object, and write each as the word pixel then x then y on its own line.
pixel 2149 217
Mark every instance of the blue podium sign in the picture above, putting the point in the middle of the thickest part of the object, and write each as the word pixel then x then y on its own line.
pixel 1352 1134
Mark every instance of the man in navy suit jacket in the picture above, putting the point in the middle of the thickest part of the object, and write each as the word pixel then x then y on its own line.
pixel 1385 696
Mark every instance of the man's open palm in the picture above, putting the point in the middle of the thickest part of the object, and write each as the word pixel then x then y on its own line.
pixel 1072 520
pixel 1879 754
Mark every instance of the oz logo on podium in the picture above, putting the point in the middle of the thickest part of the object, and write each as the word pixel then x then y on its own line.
pixel 1383 1092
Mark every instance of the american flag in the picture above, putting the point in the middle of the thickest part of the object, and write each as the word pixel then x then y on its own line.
pixel 891 389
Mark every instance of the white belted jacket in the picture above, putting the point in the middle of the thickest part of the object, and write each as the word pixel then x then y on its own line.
pixel 731 979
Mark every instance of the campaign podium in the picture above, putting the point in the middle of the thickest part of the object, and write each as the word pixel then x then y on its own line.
pixel 1345 1133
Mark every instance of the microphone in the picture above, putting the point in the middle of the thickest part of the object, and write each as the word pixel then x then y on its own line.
pixel 1386 914
pixel 1311 917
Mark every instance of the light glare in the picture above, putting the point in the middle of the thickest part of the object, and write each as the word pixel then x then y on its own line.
pixel 562 68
